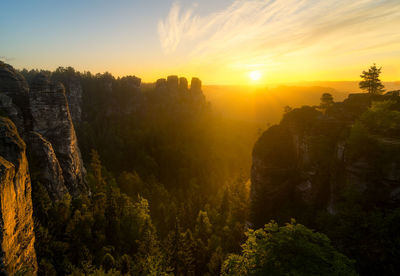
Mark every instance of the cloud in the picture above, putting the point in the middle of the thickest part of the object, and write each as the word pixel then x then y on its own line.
pixel 173 29
pixel 5 59
pixel 268 32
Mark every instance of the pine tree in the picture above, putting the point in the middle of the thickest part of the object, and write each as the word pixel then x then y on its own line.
pixel 96 180
pixel 371 82
pixel 326 100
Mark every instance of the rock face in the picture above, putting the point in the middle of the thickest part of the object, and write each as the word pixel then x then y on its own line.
pixel 172 83
pixel 161 83
pixel 52 120
pixel 45 111
pixel 296 169
pixel 183 84
pixel 195 89
pixel 195 85
pixel 42 117
pixel 45 163
pixel 74 97
pixel 303 165
pixel 9 109
pixel 17 235
pixel 14 97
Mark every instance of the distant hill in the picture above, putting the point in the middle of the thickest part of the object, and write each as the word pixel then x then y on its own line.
pixel 345 86
pixel 265 105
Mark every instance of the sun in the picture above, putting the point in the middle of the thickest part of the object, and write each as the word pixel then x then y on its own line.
pixel 255 75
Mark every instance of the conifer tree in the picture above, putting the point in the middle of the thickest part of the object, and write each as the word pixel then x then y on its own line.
pixel 371 82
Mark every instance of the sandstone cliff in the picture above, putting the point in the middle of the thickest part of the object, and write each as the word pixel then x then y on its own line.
pixel 303 165
pixel 42 117
pixel 17 235
pixel 14 99
pixel 44 162
pixel 74 97
pixel 52 120
pixel 45 111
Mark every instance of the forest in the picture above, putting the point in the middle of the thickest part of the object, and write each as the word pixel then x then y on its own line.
pixel 199 138
pixel 170 190
pixel 168 180
pixel 168 186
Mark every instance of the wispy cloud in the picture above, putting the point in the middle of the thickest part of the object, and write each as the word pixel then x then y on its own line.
pixel 6 59
pixel 267 32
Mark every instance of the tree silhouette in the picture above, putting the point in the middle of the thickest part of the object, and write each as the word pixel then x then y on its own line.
pixel 371 82
pixel 326 100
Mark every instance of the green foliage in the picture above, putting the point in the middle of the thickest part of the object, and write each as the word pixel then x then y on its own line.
pixel 131 183
pixel 96 180
pixel 376 129
pixel 371 82
pixel 96 272
pixel 361 144
pixel 79 235
pixel 289 250
pixel 367 232
pixel 108 262
pixel 303 118
pixel 125 265
pixel 383 118
pixel 203 226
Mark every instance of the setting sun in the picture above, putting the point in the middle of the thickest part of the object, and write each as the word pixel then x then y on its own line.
pixel 255 75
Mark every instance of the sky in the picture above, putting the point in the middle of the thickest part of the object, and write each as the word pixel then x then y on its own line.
pixel 222 42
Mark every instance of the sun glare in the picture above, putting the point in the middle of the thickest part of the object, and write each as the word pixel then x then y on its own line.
pixel 255 75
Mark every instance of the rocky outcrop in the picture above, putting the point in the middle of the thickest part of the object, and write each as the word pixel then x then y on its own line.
pixel 195 90
pixel 14 97
pixel 273 174
pixel 16 224
pixel 304 164
pixel 195 85
pixel 183 85
pixel 161 84
pixel 42 116
pixel 52 120
pixel 45 163
pixel 9 109
pixel 294 166
pixel 73 90
pixel 53 143
pixel 172 83
pixel 74 98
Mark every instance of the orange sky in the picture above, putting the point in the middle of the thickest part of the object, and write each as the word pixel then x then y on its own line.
pixel 218 41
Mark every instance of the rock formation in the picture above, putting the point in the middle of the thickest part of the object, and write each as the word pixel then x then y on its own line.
pixel 44 161
pixel 195 90
pixel 16 224
pixel 161 83
pixel 303 164
pixel 9 109
pixel 51 119
pixel 195 85
pixel 172 83
pixel 14 97
pixel 74 98
pixel 42 117
pixel 183 85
